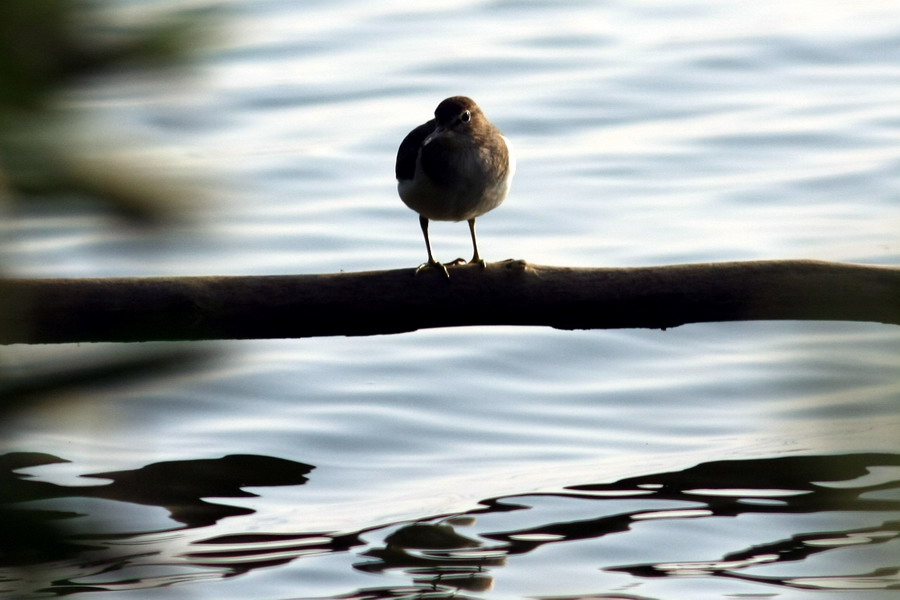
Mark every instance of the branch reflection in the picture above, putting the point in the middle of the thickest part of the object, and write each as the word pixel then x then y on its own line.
pixel 448 555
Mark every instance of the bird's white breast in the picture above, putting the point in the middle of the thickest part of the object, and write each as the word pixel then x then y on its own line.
pixel 476 192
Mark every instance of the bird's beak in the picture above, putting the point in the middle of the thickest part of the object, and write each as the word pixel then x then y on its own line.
pixel 437 131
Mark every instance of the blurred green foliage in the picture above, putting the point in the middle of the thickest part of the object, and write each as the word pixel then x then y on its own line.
pixel 44 44
pixel 47 47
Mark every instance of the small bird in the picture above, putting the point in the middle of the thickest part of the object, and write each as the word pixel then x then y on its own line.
pixel 455 167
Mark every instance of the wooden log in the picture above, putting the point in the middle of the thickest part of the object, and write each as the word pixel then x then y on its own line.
pixel 39 311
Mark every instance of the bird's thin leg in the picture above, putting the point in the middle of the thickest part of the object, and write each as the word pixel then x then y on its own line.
pixel 431 262
pixel 424 224
pixel 476 258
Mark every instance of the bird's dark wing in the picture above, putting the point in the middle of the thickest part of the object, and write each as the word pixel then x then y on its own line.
pixel 440 161
pixel 409 150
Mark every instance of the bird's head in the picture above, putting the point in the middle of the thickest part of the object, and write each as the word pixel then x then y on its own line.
pixel 456 113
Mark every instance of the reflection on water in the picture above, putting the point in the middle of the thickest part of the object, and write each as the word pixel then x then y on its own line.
pixel 449 554
pixel 38 535
pixel 178 486
pixel 648 132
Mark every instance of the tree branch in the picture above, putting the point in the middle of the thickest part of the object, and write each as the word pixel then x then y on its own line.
pixel 381 302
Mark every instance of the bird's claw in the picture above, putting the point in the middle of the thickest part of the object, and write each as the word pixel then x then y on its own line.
pixel 434 264
pixel 475 261
pixel 516 264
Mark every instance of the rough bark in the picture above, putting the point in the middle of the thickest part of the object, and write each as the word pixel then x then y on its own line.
pixel 382 302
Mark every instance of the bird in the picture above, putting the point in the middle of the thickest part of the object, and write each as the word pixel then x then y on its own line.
pixel 455 167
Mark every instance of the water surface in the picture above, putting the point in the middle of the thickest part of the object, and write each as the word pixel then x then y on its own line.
pixel 710 461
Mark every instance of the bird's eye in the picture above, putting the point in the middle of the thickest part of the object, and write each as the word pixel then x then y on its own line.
pixel 465 117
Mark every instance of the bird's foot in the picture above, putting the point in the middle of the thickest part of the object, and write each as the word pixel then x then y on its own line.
pixel 435 265
pixel 475 261
pixel 515 264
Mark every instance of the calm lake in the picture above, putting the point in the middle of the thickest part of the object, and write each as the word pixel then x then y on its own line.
pixel 717 461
